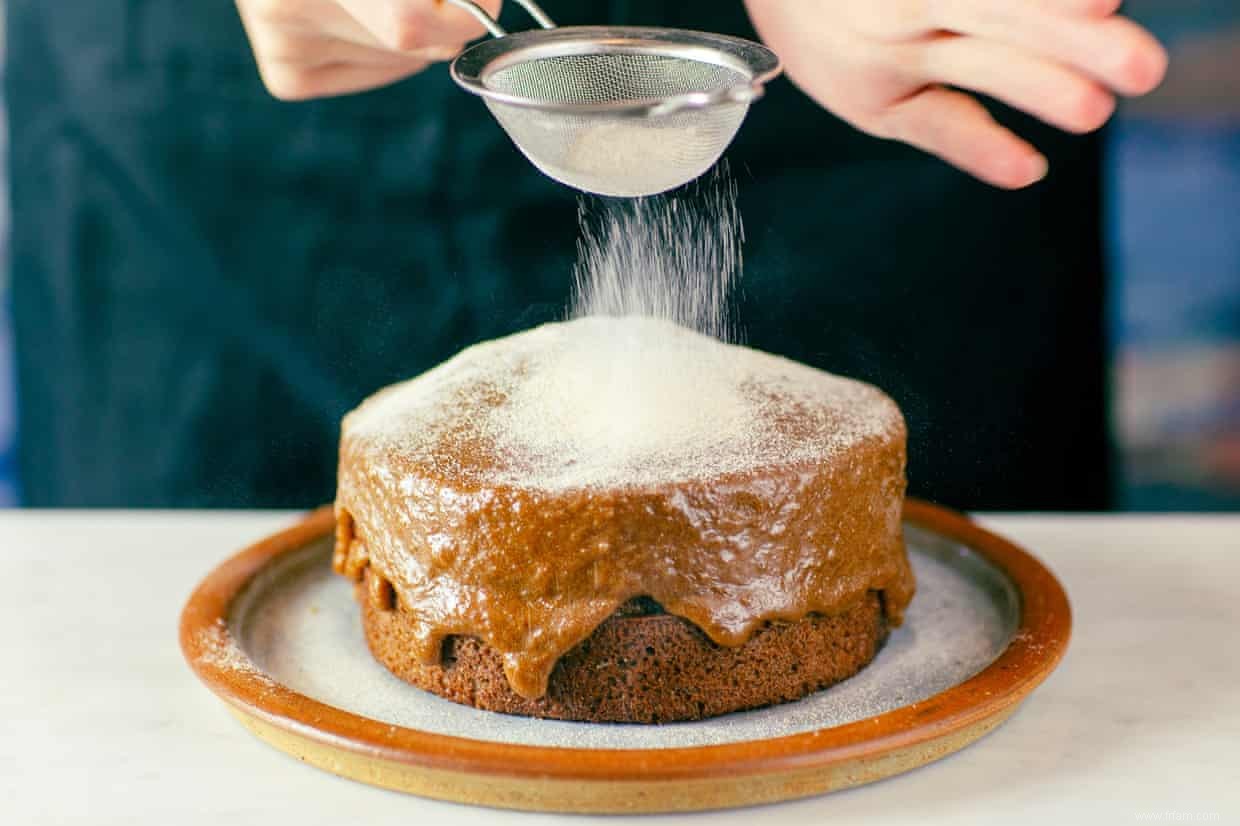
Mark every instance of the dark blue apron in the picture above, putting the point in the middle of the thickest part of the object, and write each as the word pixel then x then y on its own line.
pixel 205 279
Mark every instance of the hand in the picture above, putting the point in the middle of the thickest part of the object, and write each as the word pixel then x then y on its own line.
pixel 887 67
pixel 318 48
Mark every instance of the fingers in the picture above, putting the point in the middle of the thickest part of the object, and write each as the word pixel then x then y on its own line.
pixel 336 79
pixel 958 129
pixel 1085 8
pixel 316 48
pixel 1043 88
pixel 268 20
pixel 311 51
pixel 410 25
pixel 1113 50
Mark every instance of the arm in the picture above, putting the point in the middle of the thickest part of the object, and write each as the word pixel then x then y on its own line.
pixel 893 68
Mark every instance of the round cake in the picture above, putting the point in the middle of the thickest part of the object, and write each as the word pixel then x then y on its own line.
pixel 618 519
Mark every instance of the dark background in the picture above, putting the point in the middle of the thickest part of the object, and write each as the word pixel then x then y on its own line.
pixel 1173 201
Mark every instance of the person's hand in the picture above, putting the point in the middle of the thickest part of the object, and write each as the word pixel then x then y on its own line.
pixel 892 68
pixel 318 48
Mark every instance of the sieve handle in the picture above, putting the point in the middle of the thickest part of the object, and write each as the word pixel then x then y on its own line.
pixel 701 100
pixel 492 25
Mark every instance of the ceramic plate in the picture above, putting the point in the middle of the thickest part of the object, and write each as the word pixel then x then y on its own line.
pixel 278 636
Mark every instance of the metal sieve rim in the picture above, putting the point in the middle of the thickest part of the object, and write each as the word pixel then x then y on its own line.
pixel 752 60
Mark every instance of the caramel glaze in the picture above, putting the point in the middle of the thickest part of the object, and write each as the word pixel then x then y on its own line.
pixel 533 572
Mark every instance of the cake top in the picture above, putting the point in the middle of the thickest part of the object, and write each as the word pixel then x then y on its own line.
pixel 617 402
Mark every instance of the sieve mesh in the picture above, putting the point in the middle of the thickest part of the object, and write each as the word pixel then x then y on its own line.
pixel 615 154
pixel 610 77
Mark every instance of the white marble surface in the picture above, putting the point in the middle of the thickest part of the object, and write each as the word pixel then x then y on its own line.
pixel 101 722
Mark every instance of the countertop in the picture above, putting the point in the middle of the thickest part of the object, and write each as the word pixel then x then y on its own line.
pixel 102 722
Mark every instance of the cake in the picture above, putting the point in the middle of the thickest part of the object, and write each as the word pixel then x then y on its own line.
pixel 618 519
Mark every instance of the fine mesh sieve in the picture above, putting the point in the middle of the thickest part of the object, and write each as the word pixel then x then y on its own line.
pixel 615 110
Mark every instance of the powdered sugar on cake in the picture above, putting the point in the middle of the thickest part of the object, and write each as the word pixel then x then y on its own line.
pixel 619 401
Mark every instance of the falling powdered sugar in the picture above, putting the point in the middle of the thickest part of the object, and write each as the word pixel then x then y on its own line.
pixel 676 257
pixel 640 388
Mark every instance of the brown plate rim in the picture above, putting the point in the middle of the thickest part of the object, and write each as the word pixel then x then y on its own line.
pixel 1037 645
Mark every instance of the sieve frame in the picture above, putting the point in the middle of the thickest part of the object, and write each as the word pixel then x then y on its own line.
pixel 755 62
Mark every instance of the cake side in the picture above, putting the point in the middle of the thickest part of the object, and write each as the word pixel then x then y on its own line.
pixel 532 576
pixel 639 667
pixel 458 503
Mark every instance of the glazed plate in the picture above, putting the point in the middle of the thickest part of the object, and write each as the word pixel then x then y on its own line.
pixel 276 635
